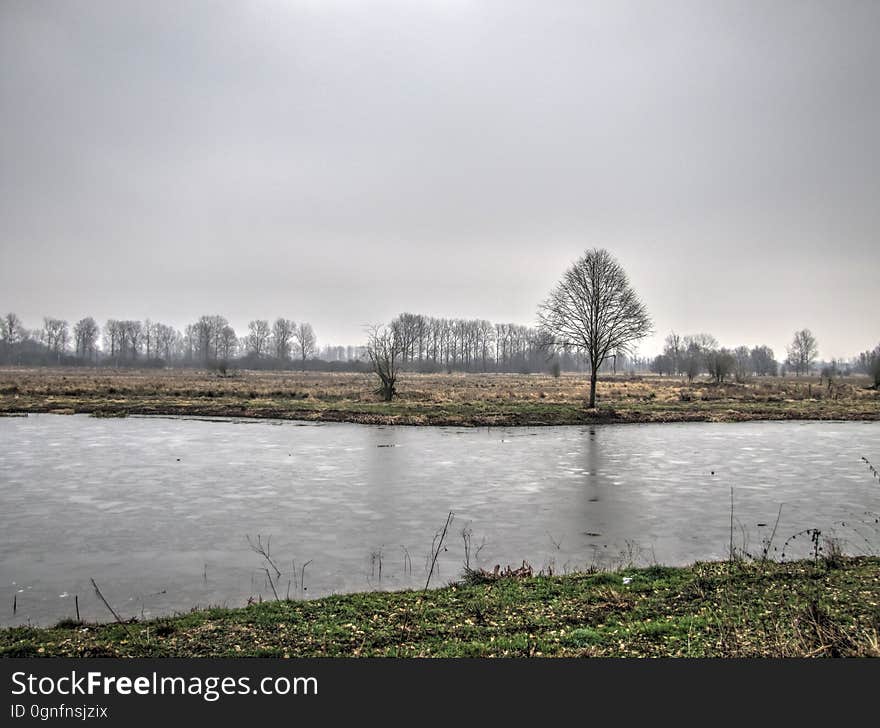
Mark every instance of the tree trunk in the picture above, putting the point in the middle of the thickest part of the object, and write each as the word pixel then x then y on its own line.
pixel 592 388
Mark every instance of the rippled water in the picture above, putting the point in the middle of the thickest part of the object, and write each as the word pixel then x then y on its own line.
pixel 158 510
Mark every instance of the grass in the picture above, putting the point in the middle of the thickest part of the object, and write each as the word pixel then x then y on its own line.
pixel 813 608
pixel 430 399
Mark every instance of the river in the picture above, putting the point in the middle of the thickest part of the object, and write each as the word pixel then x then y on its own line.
pixel 163 513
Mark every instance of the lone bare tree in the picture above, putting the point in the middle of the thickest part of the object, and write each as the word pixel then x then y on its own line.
pixel 594 308
pixel 385 350
pixel 803 351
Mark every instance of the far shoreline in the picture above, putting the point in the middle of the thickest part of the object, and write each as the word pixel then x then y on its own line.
pixel 439 400
pixel 428 421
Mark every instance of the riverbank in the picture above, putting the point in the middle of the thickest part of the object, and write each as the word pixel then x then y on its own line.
pixel 475 400
pixel 829 607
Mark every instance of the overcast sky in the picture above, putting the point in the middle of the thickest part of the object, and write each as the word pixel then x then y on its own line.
pixel 340 162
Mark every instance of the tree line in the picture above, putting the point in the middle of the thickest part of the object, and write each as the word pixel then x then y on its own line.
pixel 210 340
pixel 427 344
pixel 693 355
pixel 422 343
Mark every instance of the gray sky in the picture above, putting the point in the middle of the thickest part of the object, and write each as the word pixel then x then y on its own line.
pixel 340 162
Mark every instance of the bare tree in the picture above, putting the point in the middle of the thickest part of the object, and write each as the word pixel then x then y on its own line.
pixel 257 340
pixel 227 343
pixel 595 309
pixel 305 338
pixel 763 361
pixel 204 337
pixel 696 349
pixel 282 334
pixel 744 366
pixel 719 363
pixel 133 333
pixel 85 337
pixel 149 338
pixel 662 364
pixel 55 335
pixel 111 338
pixel 12 336
pixel 672 349
pixel 11 329
pixel 803 351
pixel 168 341
pixel 385 349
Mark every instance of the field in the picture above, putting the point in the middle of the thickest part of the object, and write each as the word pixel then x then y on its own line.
pixel 828 607
pixel 431 399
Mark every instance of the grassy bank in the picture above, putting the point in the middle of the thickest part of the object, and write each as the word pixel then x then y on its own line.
pixel 430 399
pixel 823 608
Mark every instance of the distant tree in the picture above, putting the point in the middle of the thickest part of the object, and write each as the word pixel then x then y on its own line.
pixel 743 367
pixel 149 339
pixel 763 361
pixel 385 350
pixel 701 342
pixel 11 330
pixel 672 349
pixel 282 335
pixel 205 336
pixel 662 364
pixel 802 352
pixel 829 370
pixel 226 343
pixel 111 337
pixel 55 335
pixel 133 334
pixel 85 338
pixel 868 362
pixel 696 349
pixel 720 363
pixel 257 340
pixel 305 338
pixel 12 335
pixel 168 341
pixel 594 308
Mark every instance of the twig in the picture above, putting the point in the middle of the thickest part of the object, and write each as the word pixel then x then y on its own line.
pixel 107 604
pixel 439 546
pixel 263 551
pixel 302 577
pixel 730 553
pixel 272 584
pixel 769 543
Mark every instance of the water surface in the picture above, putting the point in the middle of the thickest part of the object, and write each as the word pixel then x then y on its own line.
pixel 158 510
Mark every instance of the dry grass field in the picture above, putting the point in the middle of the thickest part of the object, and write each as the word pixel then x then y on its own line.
pixel 430 399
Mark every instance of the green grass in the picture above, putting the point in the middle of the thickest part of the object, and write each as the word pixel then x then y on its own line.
pixel 739 609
